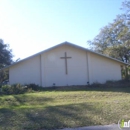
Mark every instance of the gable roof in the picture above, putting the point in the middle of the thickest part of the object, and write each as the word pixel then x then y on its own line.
pixel 65 43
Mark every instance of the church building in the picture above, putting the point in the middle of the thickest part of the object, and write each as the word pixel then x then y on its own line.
pixel 65 64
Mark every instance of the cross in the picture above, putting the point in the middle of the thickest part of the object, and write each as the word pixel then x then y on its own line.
pixel 66 68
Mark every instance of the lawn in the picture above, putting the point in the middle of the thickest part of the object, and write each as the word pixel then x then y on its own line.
pixel 64 107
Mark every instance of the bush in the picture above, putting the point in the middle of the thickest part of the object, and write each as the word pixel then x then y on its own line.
pixel 34 87
pixel 96 84
pixel 18 89
pixel 14 89
pixel 6 89
pixel 118 83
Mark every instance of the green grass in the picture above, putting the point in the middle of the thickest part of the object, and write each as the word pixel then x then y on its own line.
pixel 64 107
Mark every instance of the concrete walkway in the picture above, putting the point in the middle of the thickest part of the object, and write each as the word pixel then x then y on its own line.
pixel 106 127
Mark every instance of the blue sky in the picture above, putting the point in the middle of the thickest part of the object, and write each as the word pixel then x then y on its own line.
pixel 30 26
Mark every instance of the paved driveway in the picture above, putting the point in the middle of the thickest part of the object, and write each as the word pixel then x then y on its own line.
pixel 106 127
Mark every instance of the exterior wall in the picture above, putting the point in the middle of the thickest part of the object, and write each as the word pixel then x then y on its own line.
pixel 25 72
pixel 53 69
pixel 77 67
pixel 103 69
pixel 49 68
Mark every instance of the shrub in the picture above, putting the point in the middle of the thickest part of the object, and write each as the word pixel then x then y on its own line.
pixel 6 89
pixel 118 83
pixel 96 84
pixel 34 87
pixel 110 81
pixel 18 89
pixel 13 89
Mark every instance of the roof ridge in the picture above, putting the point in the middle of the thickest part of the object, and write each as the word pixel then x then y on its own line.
pixel 68 43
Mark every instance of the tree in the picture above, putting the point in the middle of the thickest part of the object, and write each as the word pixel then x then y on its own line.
pixel 114 39
pixel 5 60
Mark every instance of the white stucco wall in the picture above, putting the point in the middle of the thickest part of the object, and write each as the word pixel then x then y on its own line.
pixel 77 67
pixel 82 67
pixel 25 72
pixel 54 68
pixel 103 69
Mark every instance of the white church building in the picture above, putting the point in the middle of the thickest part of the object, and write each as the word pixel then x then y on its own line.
pixel 65 64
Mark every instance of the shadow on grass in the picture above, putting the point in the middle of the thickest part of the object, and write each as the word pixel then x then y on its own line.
pixel 6 118
pixel 23 101
pixel 53 117
pixel 47 118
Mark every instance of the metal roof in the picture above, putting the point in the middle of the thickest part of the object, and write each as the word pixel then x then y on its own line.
pixel 65 43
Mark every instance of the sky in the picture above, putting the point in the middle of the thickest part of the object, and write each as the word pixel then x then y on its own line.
pixel 31 26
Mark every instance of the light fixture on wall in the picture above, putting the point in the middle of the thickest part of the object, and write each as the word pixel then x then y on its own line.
pixel 87 83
